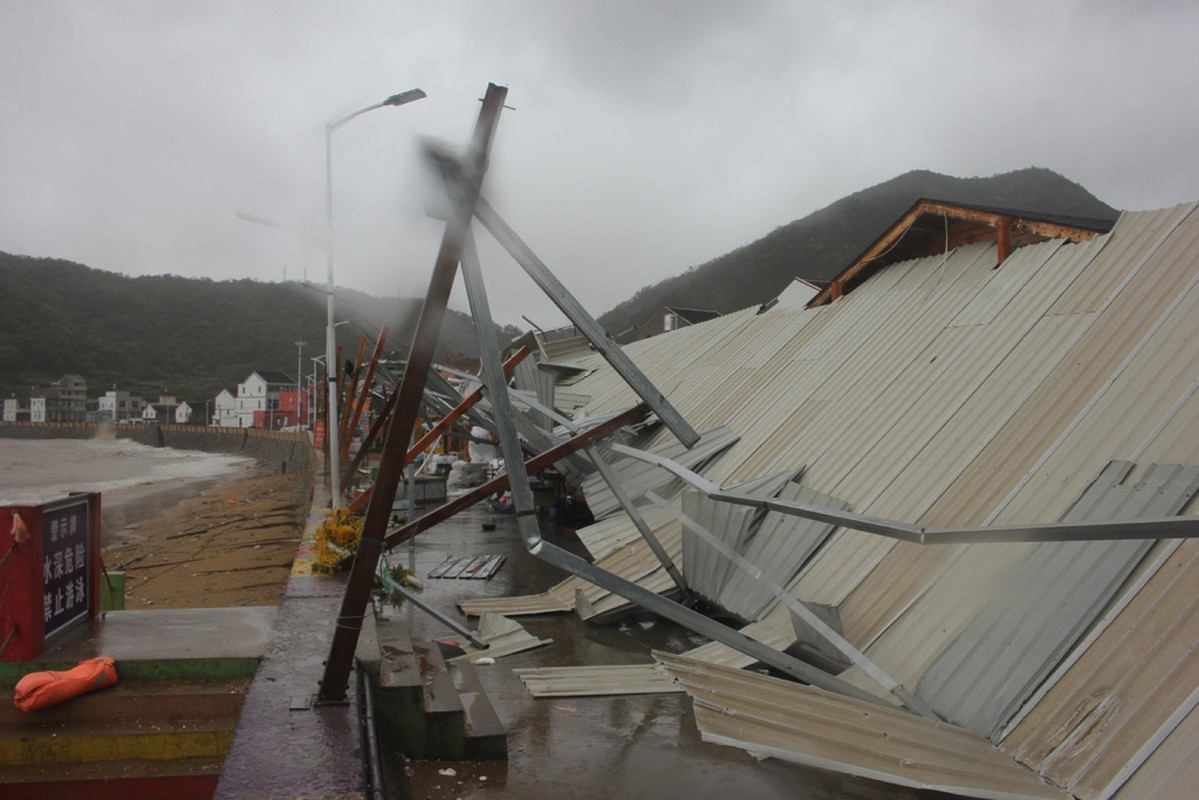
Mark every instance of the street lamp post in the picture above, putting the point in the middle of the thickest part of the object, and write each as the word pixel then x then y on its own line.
pixel 312 400
pixel 299 378
pixel 330 333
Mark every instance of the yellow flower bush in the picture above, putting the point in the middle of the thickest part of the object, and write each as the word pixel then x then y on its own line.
pixel 335 538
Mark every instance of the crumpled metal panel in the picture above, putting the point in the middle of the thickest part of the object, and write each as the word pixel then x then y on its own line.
pixel 780 548
pixel 639 477
pixel 705 568
pixel 985 675
pixel 797 723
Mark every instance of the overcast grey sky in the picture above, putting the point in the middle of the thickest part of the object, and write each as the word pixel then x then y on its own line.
pixel 647 137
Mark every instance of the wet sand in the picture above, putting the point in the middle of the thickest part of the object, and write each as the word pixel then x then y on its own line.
pixel 206 543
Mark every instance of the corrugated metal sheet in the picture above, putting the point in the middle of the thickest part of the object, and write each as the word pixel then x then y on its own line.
pixel 543 603
pixel 1047 602
pixel 808 726
pixel 594 681
pixel 541 384
pixel 613 533
pixel 705 568
pixel 638 477
pixel 503 637
pixel 1122 692
pixel 780 547
pixel 1171 770
pixel 769 631
pixel 945 392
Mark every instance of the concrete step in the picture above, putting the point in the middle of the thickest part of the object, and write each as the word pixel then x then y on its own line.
pixel 162 700
pixel 426 709
pixel 183 779
pixel 399 696
pixel 445 718
pixel 486 737
pixel 74 741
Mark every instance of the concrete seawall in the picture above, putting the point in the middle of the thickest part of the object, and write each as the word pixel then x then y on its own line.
pixel 291 451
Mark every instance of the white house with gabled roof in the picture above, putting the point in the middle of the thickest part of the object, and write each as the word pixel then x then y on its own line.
pixel 260 392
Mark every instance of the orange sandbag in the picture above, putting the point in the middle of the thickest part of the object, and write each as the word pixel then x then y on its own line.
pixel 44 689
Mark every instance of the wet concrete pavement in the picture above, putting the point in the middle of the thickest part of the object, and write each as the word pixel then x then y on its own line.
pixel 632 746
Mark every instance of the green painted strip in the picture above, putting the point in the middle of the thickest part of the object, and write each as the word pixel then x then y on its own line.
pixel 99 747
pixel 216 669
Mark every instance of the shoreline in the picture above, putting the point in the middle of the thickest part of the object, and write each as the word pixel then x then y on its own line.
pixel 223 541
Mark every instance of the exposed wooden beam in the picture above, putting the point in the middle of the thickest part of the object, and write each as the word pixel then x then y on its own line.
pixel 1003 238
pixel 989 224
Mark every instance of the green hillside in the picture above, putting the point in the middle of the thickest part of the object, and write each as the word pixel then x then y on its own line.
pixel 192 337
pixel 181 336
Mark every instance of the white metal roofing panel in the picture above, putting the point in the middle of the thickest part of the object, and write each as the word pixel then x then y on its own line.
pixel 658 581
pixel 897 582
pixel 704 566
pixel 780 547
pixel 1171 769
pixel 1152 363
pixel 988 376
pixel 603 537
pixel 895 288
pixel 1010 455
pixel 543 603
pixel 983 676
pixel 503 636
pixel 996 399
pixel 1122 692
pixel 840 389
pixel 770 632
pixel 851 350
pixel 944 608
pixel 666 360
pixel 798 723
pixel 638 477
pixel 1011 277
pixel 938 374
pixel 591 681
pixel 1134 234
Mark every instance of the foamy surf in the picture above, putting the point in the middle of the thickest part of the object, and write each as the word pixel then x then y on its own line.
pixel 37 471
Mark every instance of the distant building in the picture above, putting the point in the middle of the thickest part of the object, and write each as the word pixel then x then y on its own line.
pixel 224 410
pixel 797 295
pixel 670 318
pixel 258 399
pixel 119 406
pixel 192 412
pixel 293 409
pixel 15 410
pixel 65 400
pixel 162 412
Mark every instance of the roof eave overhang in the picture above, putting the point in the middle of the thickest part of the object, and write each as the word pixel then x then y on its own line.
pixel 1009 229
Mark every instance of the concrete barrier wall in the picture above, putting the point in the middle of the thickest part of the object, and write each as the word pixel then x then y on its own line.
pixel 290 451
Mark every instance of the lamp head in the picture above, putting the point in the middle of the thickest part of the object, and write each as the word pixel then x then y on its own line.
pixel 404 97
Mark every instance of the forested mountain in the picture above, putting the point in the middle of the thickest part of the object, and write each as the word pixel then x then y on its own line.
pixel 821 244
pixel 192 337
pixel 182 336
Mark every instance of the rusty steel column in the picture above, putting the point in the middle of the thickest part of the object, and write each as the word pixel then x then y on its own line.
pixel 336 678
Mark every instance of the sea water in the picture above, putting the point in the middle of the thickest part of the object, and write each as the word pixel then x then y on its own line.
pixel 135 481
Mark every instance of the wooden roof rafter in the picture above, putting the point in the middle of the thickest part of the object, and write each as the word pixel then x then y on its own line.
pixel 931 227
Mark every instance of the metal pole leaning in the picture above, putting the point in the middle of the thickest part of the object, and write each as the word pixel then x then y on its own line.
pixel 553 288
pixel 497 391
pixel 335 681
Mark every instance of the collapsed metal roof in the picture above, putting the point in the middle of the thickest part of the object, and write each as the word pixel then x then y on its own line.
pixel 992 440
pixel 947 392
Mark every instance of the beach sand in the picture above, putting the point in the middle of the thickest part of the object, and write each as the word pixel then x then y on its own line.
pixel 222 542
